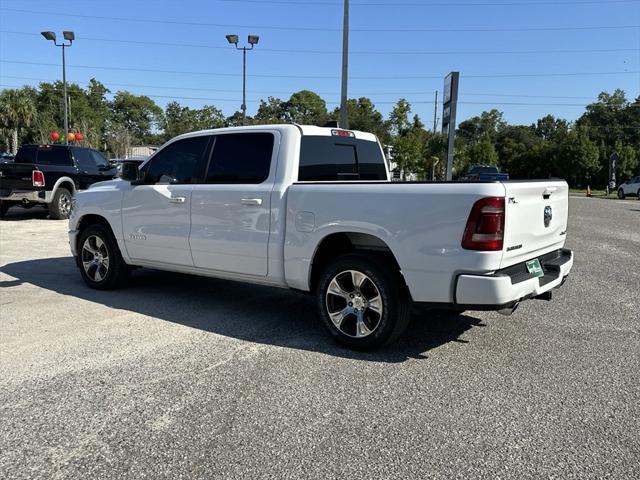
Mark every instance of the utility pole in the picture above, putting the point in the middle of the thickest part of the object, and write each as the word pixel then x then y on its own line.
pixel 435 126
pixel 435 113
pixel 344 119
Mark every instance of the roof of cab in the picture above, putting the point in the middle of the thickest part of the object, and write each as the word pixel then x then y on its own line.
pixel 303 129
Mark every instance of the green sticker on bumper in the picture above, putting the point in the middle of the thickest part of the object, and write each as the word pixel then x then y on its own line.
pixel 534 268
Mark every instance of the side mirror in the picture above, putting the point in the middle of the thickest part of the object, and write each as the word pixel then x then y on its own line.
pixel 130 171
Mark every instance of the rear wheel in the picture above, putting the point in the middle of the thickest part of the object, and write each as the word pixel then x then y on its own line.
pixel 621 194
pixel 362 302
pixel 99 259
pixel 60 206
pixel 638 194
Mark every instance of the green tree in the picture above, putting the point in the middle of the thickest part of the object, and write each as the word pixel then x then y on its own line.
pixel 138 114
pixel 362 115
pixel 307 108
pixel 17 111
pixel 273 111
pixel 550 128
pixel 628 163
pixel 478 128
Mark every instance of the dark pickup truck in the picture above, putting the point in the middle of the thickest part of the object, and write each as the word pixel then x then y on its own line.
pixel 484 173
pixel 49 175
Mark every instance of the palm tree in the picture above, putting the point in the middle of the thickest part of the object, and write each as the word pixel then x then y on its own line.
pixel 17 110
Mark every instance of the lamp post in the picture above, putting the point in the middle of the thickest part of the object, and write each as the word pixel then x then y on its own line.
pixel 253 40
pixel 70 37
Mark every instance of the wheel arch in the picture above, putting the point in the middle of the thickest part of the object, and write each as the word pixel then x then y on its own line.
pixel 341 243
pixel 64 182
pixel 92 219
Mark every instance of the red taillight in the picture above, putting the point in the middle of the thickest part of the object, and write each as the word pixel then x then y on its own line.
pixel 485 227
pixel 342 133
pixel 37 178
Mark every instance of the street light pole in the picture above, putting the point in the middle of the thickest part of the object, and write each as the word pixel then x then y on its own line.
pixel 244 85
pixel 70 37
pixel 344 118
pixel 64 94
pixel 253 40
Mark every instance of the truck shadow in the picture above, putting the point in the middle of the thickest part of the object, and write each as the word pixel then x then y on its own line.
pixel 19 213
pixel 270 316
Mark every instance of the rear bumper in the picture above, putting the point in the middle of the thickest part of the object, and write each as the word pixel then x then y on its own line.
pixel 31 196
pixel 511 285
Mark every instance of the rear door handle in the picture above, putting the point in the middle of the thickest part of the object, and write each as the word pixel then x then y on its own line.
pixel 251 201
pixel 177 199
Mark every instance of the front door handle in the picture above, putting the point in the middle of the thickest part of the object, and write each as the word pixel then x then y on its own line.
pixel 256 202
pixel 178 199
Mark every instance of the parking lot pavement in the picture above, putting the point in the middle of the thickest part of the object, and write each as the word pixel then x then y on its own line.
pixel 186 377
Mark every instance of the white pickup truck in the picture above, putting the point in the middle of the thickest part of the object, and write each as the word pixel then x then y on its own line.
pixel 313 209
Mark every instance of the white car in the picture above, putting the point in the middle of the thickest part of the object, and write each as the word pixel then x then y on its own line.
pixel 630 187
pixel 313 209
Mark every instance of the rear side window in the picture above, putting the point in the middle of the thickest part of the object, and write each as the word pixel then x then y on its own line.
pixel 340 158
pixel 26 155
pixel 178 162
pixel 241 158
pixel 54 156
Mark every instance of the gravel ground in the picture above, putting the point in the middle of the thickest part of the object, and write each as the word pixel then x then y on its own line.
pixel 186 377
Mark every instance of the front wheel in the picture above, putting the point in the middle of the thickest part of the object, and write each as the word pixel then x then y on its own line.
pixel 363 303
pixel 99 259
pixel 638 194
pixel 621 194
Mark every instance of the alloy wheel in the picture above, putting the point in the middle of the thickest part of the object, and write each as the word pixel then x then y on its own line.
pixel 95 258
pixel 354 304
pixel 64 204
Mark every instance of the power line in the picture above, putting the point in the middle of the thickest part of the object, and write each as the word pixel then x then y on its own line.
pixel 325 77
pixel 417 102
pixel 355 52
pixel 288 92
pixel 325 29
pixel 440 4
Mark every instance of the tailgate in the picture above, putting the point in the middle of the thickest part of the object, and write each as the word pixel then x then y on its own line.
pixel 535 219
pixel 16 176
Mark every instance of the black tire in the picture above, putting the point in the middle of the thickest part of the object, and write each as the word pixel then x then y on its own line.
pixel 4 207
pixel 638 194
pixel 60 206
pixel 381 282
pixel 99 275
pixel 621 194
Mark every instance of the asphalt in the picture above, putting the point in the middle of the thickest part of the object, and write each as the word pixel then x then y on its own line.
pixel 186 377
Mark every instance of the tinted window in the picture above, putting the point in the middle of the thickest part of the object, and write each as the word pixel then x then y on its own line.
pixel 53 156
pixel 84 159
pixel 99 159
pixel 177 162
pixel 343 158
pixel 240 158
pixel 484 170
pixel 26 155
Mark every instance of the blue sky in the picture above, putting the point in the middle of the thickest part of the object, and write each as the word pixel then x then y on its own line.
pixel 393 53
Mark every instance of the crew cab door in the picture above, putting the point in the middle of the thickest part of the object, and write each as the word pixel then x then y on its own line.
pixel 156 214
pixel 230 211
pixel 92 167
